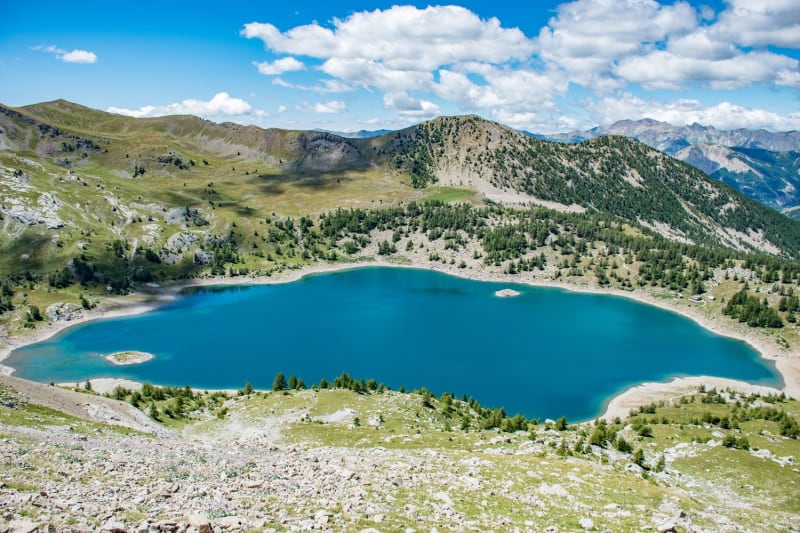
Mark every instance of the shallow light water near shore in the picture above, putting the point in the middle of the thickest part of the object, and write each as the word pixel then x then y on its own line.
pixel 544 353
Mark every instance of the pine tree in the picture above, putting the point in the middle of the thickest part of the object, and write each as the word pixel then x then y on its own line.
pixel 638 457
pixel 279 383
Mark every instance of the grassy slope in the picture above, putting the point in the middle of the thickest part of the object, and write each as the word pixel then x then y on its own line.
pixel 258 252
pixel 239 184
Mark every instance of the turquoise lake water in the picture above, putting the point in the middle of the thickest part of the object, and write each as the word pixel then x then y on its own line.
pixel 545 353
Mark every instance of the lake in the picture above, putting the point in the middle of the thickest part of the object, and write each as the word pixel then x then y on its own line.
pixel 545 353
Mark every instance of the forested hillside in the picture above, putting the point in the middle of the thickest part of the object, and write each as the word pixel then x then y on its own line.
pixel 610 175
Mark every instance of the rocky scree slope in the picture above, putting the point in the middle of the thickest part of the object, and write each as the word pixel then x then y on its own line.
pixel 341 461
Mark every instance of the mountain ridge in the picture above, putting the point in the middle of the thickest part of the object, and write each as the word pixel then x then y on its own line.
pixel 591 175
pixel 611 175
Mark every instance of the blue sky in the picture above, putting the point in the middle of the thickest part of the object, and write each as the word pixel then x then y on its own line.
pixel 547 67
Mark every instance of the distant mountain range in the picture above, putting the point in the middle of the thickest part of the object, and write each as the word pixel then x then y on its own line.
pixel 360 134
pixel 761 164
pixel 672 139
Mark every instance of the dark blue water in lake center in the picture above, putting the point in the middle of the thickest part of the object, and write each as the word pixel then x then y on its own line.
pixel 545 353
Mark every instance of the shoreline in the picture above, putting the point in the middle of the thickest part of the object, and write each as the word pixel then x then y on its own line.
pixel 654 391
pixel 787 362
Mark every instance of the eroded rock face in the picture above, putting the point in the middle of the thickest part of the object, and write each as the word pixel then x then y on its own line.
pixel 44 212
pixel 177 245
pixel 181 241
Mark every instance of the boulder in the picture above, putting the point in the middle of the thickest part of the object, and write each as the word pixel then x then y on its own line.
pixel 113 526
pixel 231 522
pixel 22 526
pixel 199 522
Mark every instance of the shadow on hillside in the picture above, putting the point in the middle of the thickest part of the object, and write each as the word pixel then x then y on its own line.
pixel 26 252
pixel 275 185
pixel 198 198
pixel 182 199
pixel 272 189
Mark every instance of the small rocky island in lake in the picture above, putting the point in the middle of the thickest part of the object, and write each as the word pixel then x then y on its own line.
pixel 507 293
pixel 129 358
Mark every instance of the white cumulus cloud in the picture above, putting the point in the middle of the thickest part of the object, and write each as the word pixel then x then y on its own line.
pixel 401 37
pixel 587 37
pixel 331 106
pixel 78 56
pixel 761 23
pixel 222 104
pixel 788 78
pixel 664 69
pixel 399 49
pixel 71 56
pixel 368 73
pixel 701 45
pixel 609 44
pixel 512 91
pixel 324 86
pixel 279 66
pixel 407 106
pixel 420 59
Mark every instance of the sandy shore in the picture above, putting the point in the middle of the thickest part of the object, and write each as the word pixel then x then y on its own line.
pixel 647 393
pixel 787 362
pixel 106 385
